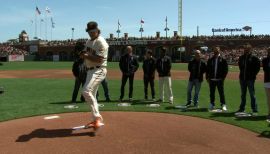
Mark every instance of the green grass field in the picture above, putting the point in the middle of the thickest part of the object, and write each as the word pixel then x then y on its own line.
pixel 31 97
pixel 68 65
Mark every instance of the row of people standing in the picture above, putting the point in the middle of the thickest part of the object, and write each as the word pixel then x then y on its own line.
pixel 266 69
pixel 216 70
pixel 129 65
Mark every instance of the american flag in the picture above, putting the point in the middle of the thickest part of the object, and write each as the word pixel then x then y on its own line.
pixel 119 24
pixel 47 9
pixel 53 23
pixel 38 11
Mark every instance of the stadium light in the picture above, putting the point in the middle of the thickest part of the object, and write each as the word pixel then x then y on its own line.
pixel 72 29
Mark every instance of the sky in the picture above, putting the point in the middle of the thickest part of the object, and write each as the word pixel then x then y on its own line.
pixel 16 15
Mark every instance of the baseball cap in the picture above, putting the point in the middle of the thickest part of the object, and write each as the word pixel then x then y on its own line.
pixel 91 26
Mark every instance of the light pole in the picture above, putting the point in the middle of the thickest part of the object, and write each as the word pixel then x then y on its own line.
pixel 72 29
pixel 198 31
pixel 40 28
pixel 166 28
pixel 141 29
pixel 180 24
pixel 118 29
pixel 180 21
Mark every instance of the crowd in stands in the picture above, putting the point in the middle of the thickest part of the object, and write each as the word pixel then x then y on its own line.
pixel 61 43
pixel 230 54
pixel 233 55
pixel 149 38
pixel 201 37
pixel 70 42
pixel 9 50
pixel 230 37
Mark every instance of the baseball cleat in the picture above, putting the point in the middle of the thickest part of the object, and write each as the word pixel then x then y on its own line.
pixel 95 125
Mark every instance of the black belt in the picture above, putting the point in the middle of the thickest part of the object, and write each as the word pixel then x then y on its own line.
pixel 91 68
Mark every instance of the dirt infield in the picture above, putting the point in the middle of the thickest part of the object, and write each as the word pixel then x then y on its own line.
pixel 112 74
pixel 124 132
pixel 128 132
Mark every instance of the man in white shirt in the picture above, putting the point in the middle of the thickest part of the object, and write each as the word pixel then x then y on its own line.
pixel 95 58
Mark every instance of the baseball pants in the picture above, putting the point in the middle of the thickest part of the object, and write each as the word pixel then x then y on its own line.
pixel 93 79
pixel 165 83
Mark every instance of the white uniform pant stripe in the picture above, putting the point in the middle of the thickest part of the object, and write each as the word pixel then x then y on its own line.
pixel 93 79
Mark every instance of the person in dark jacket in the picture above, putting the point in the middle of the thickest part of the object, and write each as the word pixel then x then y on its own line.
pixel 105 87
pixel 196 68
pixel 79 71
pixel 266 69
pixel 249 66
pixel 217 70
pixel 163 66
pixel 149 67
pixel 128 65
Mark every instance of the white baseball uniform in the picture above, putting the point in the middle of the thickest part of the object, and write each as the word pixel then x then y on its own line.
pixel 165 83
pixel 96 72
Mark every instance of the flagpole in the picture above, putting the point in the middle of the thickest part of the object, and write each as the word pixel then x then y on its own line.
pixel 52 26
pixel 141 29
pixel 166 28
pixel 72 34
pixel 46 25
pixel 31 28
pixel 40 27
pixel 35 24
pixel 118 29
pixel 51 33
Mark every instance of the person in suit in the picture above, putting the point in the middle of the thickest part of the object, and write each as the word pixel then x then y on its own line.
pixel 266 69
pixel 217 70
pixel 196 68
pixel 149 67
pixel 128 65
pixel 105 87
pixel 249 66
pixel 79 72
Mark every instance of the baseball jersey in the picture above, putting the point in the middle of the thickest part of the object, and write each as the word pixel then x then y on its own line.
pixel 100 47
